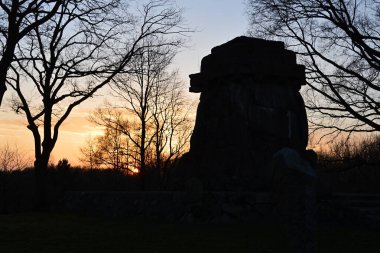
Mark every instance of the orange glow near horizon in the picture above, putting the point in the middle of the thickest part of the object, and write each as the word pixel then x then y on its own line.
pixel 72 135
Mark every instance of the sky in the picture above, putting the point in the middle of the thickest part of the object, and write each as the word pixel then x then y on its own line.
pixel 215 22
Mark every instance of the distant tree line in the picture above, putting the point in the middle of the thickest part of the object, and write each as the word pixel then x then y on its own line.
pixel 344 167
pixel 351 165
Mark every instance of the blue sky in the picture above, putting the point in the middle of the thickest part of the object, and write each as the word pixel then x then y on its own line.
pixel 216 22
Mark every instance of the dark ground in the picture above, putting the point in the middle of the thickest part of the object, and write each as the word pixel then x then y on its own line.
pixel 52 232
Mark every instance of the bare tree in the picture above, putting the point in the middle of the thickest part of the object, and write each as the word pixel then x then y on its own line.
pixel 114 149
pixel 110 149
pixel 171 122
pixel 136 90
pixel 76 53
pixel 155 97
pixel 12 158
pixel 156 112
pixel 17 19
pixel 339 43
pixel 90 156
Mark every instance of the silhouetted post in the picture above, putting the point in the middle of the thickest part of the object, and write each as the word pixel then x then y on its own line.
pixel 40 202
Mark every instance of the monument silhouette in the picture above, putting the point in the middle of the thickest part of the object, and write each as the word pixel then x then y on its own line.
pixel 251 134
pixel 250 108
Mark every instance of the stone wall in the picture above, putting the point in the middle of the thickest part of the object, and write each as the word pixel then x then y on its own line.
pixel 182 207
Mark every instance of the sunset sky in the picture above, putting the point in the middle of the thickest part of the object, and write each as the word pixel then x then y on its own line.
pixel 216 22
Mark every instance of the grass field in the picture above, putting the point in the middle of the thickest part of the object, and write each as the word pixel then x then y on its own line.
pixel 40 232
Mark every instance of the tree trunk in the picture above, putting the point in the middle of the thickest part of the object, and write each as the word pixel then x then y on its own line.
pixel 142 170
pixel 157 172
pixel 5 62
pixel 3 87
pixel 41 163
pixel 41 167
pixel 142 155
pixel 7 56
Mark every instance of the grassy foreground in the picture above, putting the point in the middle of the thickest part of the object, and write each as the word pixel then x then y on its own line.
pixel 40 232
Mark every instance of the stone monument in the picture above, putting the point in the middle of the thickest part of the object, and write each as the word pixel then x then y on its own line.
pixel 250 107
pixel 251 133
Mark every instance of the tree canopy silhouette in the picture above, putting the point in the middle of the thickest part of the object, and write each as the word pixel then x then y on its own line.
pixel 339 43
pixel 17 20
pixel 66 60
